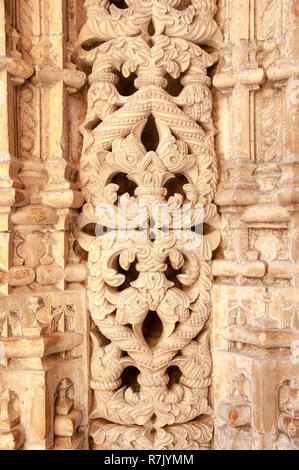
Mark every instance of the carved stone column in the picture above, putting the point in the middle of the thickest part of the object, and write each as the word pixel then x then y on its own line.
pixel 148 159
pixel 13 72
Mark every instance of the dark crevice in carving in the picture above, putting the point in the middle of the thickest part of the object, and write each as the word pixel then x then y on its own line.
pixel 174 86
pixel 171 274
pixel 119 4
pixel 151 29
pixel 129 378
pixel 174 374
pixel 175 186
pixel 80 252
pixel 220 251
pixel 103 340
pixel 90 229
pixel 131 275
pixel 209 50
pixel 152 329
pixel 91 44
pixel 153 419
pixel 125 85
pixel 206 229
pixel 93 124
pixel 184 4
pixel 150 135
pixel 125 185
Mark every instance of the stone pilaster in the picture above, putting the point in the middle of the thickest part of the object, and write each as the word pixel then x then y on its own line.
pixel 255 303
pixel 43 329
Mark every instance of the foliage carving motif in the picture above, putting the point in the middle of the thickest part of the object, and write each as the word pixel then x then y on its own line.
pixel 154 326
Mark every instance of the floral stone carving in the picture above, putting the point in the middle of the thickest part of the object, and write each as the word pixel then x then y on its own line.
pixel 155 324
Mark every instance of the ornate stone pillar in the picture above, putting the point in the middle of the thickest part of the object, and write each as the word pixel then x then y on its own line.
pixel 13 72
pixel 148 158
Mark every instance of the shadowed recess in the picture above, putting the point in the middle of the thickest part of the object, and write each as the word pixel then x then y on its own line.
pixel 183 4
pixel 131 275
pixel 174 374
pixel 129 378
pixel 171 274
pixel 90 229
pixel 175 186
pixel 150 135
pixel 151 29
pixel 152 329
pixel 125 85
pixel 125 185
pixel 119 4
pixel 174 86
pixel 91 44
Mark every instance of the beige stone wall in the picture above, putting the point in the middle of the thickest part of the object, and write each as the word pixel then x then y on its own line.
pixel 139 342
pixel 255 291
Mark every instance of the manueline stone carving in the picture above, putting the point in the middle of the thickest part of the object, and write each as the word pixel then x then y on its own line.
pixel 150 39
pixel 149 225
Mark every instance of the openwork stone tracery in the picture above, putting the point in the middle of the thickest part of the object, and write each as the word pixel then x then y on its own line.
pixel 153 40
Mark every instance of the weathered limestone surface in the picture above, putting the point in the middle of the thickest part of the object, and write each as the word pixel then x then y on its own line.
pixel 149 224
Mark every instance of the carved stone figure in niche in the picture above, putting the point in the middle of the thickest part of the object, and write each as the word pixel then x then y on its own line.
pixel 10 324
pixel 11 431
pixel 67 419
pixel 233 431
pixel 288 420
pixel 116 116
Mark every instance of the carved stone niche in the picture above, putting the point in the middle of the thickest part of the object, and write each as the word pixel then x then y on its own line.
pixel 12 436
pixel 234 416
pixel 68 419
pixel 288 417
pixel 43 361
